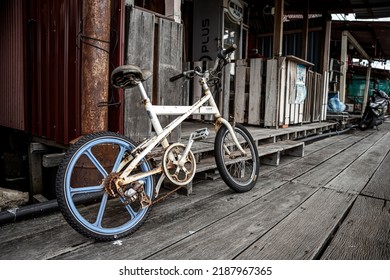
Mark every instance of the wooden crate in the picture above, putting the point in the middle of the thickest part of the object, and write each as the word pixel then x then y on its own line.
pixel 281 108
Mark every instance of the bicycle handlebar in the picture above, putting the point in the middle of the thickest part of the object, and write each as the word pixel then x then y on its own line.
pixel 222 56
pixel 176 77
pixel 229 50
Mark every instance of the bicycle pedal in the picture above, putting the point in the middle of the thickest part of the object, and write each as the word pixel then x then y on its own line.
pixel 201 133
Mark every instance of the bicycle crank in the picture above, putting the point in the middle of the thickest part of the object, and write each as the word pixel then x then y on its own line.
pixel 179 164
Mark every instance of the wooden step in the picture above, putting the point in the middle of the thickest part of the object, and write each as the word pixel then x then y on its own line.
pixel 268 153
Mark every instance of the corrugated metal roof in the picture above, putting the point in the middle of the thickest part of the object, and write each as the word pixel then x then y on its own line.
pixel 373 36
pixel 373 9
pixel 363 8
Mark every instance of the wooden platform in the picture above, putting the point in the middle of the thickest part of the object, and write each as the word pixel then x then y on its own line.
pixel 271 143
pixel 333 203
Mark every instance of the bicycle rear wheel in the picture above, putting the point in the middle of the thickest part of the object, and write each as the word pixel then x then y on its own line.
pixel 81 195
pixel 239 171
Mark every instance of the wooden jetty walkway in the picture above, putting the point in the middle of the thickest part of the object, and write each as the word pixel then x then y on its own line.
pixel 333 203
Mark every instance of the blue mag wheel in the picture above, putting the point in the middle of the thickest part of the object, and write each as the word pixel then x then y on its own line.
pixel 80 188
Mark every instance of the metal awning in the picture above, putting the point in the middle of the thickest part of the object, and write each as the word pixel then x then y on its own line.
pixel 370 9
pixel 373 36
pixel 364 9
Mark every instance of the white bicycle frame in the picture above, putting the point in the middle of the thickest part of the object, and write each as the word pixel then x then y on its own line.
pixel 161 133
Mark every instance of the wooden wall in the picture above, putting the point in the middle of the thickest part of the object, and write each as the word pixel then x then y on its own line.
pixel 155 44
pixel 282 108
pixel 252 95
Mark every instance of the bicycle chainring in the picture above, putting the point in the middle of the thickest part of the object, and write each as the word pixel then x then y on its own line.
pixel 179 172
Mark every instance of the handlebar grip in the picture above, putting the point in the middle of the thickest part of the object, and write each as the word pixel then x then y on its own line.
pixel 230 49
pixel 174 78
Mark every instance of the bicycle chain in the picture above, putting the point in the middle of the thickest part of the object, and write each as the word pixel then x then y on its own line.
pixel 166 195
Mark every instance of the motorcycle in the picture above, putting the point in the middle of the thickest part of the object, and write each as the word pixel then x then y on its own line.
pixel 375 111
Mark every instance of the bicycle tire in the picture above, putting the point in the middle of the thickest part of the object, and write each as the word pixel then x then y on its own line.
pixel 81 175
pixel 239 175
pixel 368 121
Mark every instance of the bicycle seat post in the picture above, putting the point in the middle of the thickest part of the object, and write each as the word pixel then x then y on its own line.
pixel 151 114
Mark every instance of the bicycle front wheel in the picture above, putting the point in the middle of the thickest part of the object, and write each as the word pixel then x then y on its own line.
pixel 239 171
pixel 80 186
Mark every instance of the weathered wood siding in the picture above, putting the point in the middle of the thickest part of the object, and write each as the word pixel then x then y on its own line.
pixel 244 99
pixel 169 63
pixel 281 108
pixel 239 92
pixel 154 44
pixel 271 96
pixel 255 85
pixel 140 51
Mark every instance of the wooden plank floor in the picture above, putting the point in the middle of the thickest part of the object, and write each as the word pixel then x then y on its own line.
pixel 331 204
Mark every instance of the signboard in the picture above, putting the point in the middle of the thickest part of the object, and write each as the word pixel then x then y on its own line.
pixel 235 10
pixel 207 29
pixel 300 95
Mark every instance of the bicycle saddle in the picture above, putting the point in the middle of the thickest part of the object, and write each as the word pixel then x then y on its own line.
pixel 127 76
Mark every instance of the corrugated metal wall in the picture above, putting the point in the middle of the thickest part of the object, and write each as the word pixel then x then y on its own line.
pixel 40 67
pixel 54 68
pixel 12 105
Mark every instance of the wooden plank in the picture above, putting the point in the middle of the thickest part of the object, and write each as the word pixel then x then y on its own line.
pixel 297 169
pixel 196 89
pixel 271 100
pixel 24 229
pixel 272 159
pixel 255 83
pixel 318 97
pixel 210 118
pixel 169 56
pixel 309 98
pixel 365 233
pixel 303 233
pixel 185 97
pixel 140 36
pixel 300 113
pixel 310 150
pixel 282 90
pixel 356 176
pixel 164 231
pixel 378 186
pixel 226 92
pixel 324 107
pixel 19 240
pixel 35 170
pixel 324 143
pixel 244 226
pixel 239 94
pixel 345 156
pixel 52 160
pixel 314 98
pixel 47 244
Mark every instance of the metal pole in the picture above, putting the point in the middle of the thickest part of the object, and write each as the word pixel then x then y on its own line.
pixel 343 66
pixel 95 40
pixel 367 87
pixel 278 28
pixel 305 32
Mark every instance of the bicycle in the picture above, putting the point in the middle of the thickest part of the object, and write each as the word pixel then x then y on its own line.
pixel 105 174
